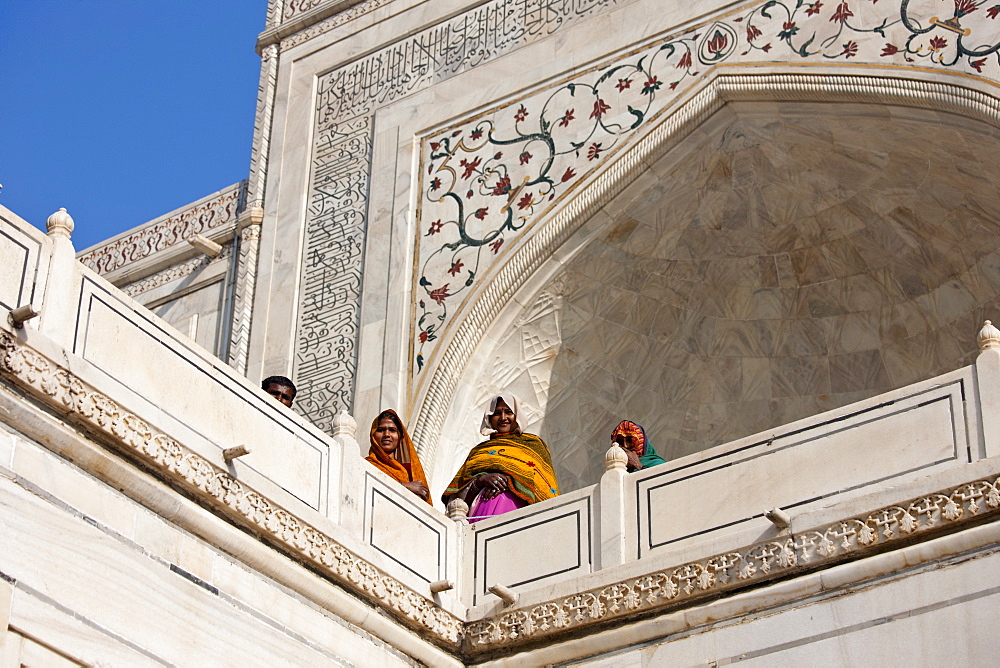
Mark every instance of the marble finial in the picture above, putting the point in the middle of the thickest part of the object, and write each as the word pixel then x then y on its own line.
pixel 60 224
pixel 615 459
pixel 989 337
pixel 458 509
pixel 344 424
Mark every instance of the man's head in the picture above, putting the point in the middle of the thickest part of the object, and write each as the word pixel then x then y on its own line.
pixel 280 388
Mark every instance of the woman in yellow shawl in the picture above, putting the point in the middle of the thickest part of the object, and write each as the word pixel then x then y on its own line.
pixel 509 471
pixel 392 452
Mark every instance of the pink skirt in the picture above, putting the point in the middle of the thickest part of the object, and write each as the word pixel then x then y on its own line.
pixel 498 505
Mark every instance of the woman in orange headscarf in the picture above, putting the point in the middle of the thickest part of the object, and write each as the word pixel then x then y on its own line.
pixel 393 453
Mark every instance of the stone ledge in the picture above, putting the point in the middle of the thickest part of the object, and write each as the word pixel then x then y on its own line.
pixel 886 529
pixel 64 392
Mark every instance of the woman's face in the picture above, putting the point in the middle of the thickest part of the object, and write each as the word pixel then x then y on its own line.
pixel 627 442
pixel 502 419
pixel 387 435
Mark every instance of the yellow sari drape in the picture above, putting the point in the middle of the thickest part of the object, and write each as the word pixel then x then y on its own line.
pixel 524 458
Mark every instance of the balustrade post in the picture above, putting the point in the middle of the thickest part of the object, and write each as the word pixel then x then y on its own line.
pixel 59 303
pixel 346 497
pixel 987 370
pixel 612 504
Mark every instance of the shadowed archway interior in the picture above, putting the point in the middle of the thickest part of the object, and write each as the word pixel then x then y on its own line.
pixel 787 259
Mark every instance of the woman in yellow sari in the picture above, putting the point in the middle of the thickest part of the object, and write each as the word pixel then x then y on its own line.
pixel 393 453
pixel 508 471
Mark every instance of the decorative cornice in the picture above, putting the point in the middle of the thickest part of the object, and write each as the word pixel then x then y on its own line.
pixel 301 21
pixel 760 562
pixel 203 216
pixel 175 272
pixel 169 459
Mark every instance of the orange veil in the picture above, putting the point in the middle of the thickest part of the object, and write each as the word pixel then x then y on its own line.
pixel 405 454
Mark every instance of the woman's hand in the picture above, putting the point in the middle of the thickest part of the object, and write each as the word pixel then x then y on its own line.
pixel 633 459
pixel 418 488
pixel 492 485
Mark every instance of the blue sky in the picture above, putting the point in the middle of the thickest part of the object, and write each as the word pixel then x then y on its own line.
pixel 123 110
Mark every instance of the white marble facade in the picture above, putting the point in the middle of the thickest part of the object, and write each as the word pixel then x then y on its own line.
pixel 764 231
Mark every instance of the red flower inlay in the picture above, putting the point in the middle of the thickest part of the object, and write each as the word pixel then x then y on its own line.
pixel 481 213
pixel 435 145
pixel 435 227
pixel 435 183
pixel 623 84
pixel 963 7
pixel 470 167
pixel 600 108
pixel 813 9
pixel 525 157
pixel 685 61
pixel 439 294
pixel 567 117
pixel 423 337
pixel 993 11
pixel 502 187
pixel 520 114
pixel 496 245
pixel 718 42
pixel 753 32
pixel 476 134
pixel 526 200
pixel 889 50
pixel 594 151
pixel 978 64
pixel 568 174
pixel 850 49
pixel 842 14
pixel 938 43
pixel 455 268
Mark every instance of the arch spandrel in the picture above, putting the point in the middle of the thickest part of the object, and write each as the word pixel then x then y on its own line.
pixel 744 73
pixel 785 260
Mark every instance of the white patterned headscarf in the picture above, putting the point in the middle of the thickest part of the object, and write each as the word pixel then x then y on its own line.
pixel 511 401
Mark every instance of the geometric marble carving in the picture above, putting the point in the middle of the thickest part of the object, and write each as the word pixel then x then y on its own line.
pixel 798 258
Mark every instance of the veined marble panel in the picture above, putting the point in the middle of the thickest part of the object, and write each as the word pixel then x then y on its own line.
pixel 21 272
pixel 561 536
pixel 136 350
pixel 899 440
pixel 413 536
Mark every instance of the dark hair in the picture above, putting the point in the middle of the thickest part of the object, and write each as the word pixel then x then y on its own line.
pixel 391 415
pixel 277 380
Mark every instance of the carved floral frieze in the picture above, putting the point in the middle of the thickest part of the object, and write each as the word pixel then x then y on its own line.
pixel 172 460
pixel 731 570
pixel 486 180
pixel 206 216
